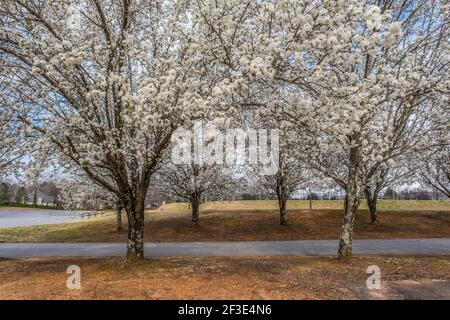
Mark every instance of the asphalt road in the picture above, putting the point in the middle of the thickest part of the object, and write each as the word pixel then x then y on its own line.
pixel 247 248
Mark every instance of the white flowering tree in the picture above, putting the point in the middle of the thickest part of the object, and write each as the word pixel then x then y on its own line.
pixel 33 171
pixel 77 191
pixel 292 170
pixel 358 78
pixel 190 181
pixel 11 139
pixel 396 69
pixel 389 175
pixel 432 164
pixel 291 175
pixel 106 83
pixel 435 171
pixel 9 153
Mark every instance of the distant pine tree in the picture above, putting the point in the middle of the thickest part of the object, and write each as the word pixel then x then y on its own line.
pixel 21 196
pixel 4 192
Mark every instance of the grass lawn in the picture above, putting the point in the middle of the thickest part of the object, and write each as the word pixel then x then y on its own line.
pixel 245 278
pixel 252 220
pixel 263 205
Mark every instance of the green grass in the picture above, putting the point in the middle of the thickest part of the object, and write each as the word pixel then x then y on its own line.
pixel 175 207
pixel 400 205
pixel 66 232
pixel 250 220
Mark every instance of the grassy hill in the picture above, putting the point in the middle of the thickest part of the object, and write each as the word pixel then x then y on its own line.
pixel 252 220
pixel 263 205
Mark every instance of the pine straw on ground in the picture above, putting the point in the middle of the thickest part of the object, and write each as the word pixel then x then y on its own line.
pixel 218 278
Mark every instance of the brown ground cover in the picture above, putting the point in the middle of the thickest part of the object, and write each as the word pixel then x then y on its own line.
pixel 227 278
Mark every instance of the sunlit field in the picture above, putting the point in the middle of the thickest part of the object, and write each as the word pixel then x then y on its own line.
pixel 251 220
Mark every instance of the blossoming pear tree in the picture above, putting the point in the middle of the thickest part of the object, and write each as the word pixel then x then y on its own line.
pixel 387 176
pixel 106 85
pixel 374 106
pixel 432 165
pixel 292 172
pixel 191 181
pixel 11 137
pixel 361 77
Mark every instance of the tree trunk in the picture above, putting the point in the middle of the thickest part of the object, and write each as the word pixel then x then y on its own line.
pixel 35 198
pixel 195 203
pixel 119 215
pixel 135 244
pixel 351 203
pixel 282 204
pixel 372 205
pixel 310 199
pixel 282 198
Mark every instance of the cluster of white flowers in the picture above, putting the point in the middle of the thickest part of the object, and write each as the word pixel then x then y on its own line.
pixel 354 82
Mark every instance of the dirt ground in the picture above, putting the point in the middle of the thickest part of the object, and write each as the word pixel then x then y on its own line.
pixel 242 226
pixel 227 278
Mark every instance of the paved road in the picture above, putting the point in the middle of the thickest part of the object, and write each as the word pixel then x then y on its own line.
pixel 247 248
